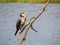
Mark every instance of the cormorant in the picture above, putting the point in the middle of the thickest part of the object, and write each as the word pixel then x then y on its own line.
pixel 20 22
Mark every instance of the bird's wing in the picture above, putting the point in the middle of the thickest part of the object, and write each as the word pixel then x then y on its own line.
pixel 18 24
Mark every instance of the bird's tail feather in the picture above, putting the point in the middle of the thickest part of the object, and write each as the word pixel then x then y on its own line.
pixel 16 32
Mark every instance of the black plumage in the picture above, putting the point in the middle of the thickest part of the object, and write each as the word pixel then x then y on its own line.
pixel 20 23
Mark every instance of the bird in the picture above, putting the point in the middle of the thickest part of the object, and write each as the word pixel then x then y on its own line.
pixel 20 22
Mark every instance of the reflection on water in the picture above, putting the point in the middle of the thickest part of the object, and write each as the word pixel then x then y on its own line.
pixel 48 24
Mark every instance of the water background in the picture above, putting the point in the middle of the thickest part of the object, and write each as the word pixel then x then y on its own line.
pixel 47 25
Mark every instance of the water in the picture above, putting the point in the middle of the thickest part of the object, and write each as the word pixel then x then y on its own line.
pixel 47 25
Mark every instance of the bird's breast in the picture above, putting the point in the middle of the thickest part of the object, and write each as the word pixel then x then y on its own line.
pixel 22 21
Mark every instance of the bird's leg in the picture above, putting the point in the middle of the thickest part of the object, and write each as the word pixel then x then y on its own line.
pixel 33 28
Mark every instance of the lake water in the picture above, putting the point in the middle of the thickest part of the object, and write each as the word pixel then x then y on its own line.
pixel 47 25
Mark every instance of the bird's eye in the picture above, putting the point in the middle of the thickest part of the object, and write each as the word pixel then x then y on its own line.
pixel 22 16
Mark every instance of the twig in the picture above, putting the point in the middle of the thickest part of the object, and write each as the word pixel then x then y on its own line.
pixel 33 28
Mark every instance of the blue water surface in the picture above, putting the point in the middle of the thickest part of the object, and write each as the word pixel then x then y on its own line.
pixel 47 25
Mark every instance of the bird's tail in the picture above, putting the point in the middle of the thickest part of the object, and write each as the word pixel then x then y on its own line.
pixel 16 32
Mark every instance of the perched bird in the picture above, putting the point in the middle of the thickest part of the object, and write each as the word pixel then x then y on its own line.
pixel 20 22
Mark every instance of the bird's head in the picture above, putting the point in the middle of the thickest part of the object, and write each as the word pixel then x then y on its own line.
pixel 23 15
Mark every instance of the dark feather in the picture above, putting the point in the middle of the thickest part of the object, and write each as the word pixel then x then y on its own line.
pixel 18 25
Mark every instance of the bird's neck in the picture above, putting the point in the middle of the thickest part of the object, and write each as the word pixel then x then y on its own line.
pixel 23 18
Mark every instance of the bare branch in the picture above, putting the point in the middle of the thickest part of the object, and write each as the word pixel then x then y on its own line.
pixel 33 28
pixel 23 28
pixel 22 37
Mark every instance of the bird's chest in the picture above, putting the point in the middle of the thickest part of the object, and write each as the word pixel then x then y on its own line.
pixel 22 21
